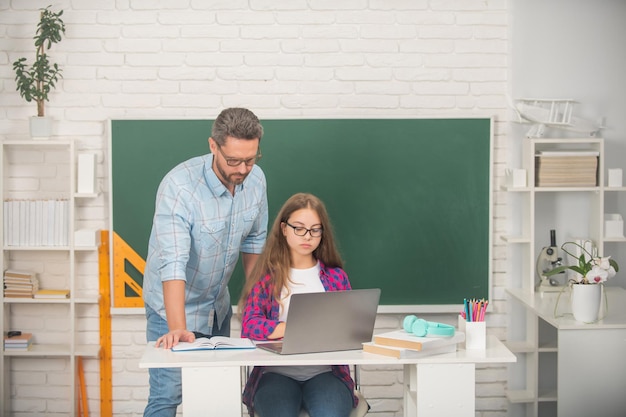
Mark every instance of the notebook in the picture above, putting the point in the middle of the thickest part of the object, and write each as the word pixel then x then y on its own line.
pixel 328 321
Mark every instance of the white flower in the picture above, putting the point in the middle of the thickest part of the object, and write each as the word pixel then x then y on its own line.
pixel 597 275
pixel 589 268
pixel 605 264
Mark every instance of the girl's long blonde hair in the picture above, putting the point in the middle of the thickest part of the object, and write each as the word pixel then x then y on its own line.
pixel 276 256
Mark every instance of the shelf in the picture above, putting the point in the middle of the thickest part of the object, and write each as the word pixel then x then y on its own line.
pixel 29 143
pixel 34 171
pixel 78 299
pixel 50 248
pixel 542 306
pixel 515 239
pixel 548 396
pixel 540 323
pixel 37 248
pixel 566 189
pixel 86 195
pixel 43 350
pixel 548 347
pixel 520 396
pixel 511 189
pixel 85 248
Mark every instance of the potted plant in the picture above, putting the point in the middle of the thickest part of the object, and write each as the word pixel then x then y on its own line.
pixel 36 81
pixel 591 271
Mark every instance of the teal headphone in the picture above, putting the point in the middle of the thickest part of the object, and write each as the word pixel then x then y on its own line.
pixel 421 327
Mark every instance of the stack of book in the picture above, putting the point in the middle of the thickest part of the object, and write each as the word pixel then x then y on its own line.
pixel 22 284
pixel 20 342
pixel 400 344
pixel 566 169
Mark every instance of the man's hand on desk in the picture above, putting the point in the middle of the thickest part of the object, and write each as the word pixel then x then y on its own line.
pixel 173 337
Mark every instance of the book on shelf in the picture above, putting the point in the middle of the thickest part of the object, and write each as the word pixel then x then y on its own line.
pixel 403 353
pixel 15 347
pixel 20 338
pixel 20 342
pixel 36 222
pixel 52 293
pixel 566 171
pixel 12 294
pixel 9 283
pixel 402 339
pixel 14 273
pixel 19 284
pixel 215 343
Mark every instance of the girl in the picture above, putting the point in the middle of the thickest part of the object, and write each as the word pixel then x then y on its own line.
pixel 299 256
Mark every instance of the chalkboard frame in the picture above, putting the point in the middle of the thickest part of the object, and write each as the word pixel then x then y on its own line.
pixel 379 146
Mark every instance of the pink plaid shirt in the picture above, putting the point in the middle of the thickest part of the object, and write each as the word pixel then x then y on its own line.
pixel 260 318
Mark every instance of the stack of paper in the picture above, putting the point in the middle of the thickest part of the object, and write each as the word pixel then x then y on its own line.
pixel 21 284
pixel 21 342
pixel 566 169
pixel 401 344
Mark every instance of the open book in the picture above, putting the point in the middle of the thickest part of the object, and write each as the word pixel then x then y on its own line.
pixel 215 342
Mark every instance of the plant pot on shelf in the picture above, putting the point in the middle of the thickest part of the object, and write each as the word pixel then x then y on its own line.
pixel 586 300
pixel 40 127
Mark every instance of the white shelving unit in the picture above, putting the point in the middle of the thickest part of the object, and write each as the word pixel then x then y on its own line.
pixel 44 170
pixel 537 383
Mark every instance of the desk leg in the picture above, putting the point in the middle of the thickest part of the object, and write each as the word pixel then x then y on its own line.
pixel 212 391
pixel 439 390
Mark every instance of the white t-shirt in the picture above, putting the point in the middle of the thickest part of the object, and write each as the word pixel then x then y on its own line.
pixel 303 281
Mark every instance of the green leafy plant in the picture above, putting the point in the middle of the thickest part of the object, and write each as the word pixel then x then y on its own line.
pixel 590 269
pixel 36 81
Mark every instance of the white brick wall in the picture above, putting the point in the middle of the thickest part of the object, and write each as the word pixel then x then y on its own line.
pixel 282 59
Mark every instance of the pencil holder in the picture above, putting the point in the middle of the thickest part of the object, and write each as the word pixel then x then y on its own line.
pixel 475 333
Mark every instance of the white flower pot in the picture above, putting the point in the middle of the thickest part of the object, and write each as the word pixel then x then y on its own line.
pixel 586 302
pixel 40 127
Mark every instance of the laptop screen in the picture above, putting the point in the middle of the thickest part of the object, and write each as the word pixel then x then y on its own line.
pixel 330 321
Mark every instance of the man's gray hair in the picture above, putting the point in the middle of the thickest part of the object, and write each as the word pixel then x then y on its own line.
pixel 236 122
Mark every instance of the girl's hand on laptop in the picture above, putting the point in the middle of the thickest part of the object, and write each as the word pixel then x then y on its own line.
pixel 278 332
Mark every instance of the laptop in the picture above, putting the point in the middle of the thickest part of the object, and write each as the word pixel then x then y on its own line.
pixel 328 321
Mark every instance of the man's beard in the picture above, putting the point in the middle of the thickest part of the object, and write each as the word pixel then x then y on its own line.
pixel 230 179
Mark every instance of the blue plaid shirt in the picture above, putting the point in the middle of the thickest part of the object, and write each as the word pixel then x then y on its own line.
pixel 198 230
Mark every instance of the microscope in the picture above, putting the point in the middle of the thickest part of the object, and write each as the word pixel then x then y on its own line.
pixel 547 260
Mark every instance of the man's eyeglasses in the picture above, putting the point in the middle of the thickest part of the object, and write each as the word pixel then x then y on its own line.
pixel 235 162
pixel 302 231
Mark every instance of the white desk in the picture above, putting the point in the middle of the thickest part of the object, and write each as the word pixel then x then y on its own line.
pixel 434 386
pixel 590 358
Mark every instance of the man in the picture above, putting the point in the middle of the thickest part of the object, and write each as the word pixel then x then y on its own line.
pixel 208 209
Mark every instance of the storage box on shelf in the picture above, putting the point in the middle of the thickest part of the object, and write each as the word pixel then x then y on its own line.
pixel 566 191
pixel 38 187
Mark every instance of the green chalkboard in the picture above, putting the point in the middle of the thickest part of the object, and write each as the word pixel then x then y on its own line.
pixel 410 199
